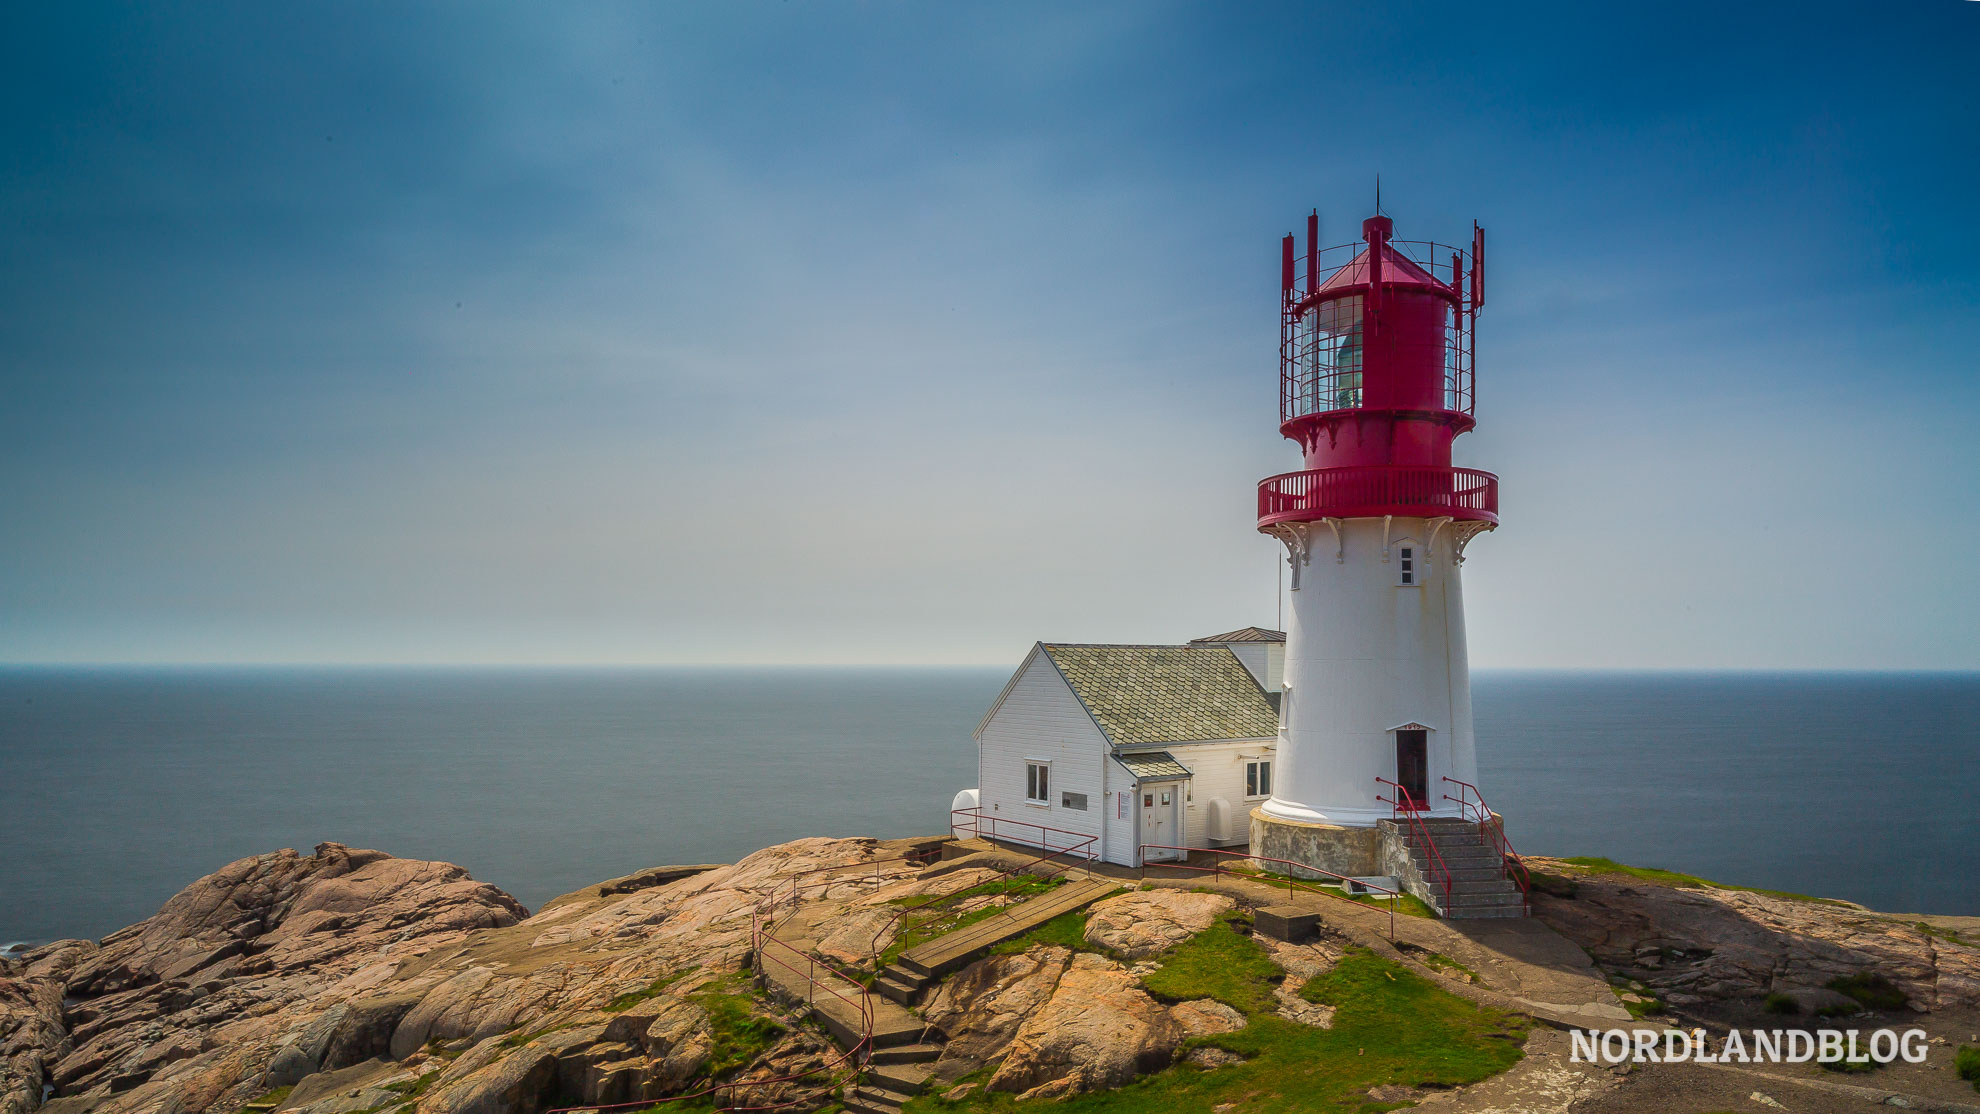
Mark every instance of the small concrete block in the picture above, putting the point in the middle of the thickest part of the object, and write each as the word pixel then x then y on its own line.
pixel 1286 922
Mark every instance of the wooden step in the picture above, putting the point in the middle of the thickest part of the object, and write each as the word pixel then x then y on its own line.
pixel 948 952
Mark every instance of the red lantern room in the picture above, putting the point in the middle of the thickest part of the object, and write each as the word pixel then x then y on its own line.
pixel 1375 352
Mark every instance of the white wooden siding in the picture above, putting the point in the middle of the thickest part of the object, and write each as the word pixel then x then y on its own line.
pixel 1217 770
pixel 1040 718
pixel 1123 832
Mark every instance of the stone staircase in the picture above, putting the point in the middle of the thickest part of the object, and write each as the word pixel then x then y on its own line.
pixel 1479 886
pixel 904 1046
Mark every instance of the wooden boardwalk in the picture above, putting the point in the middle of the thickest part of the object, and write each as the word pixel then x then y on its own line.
pixel 945 953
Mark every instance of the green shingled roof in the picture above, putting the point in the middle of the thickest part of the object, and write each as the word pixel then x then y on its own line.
pixel 1166 694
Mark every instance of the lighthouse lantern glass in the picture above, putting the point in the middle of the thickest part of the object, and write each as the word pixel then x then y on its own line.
pixel 1329 343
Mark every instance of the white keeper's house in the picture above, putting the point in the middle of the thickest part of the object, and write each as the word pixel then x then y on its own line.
pixel 1138 747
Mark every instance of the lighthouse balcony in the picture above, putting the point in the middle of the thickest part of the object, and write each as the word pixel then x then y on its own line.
pixel 1372 491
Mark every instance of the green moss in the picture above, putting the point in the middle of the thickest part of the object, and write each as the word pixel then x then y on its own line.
pixel 625 1002
pixel 1220 963
pixel 1643 1006
pixel 274 1097
pixel 413 1088
pixel 1946 934
pixel 1967 1063
pixel 1689 881
pixel 1390 1026
pixel 737 1032
pixel 1871 990
pixel 1781 1003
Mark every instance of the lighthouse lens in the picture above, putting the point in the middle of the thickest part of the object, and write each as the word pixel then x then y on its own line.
pixel 1330 350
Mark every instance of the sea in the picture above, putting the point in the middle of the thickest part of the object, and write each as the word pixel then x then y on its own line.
pixel 118 786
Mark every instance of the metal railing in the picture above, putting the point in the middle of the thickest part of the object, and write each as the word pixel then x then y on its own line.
pixel 972 819
pixel 1492 830
pixel 1217 867
pixel 1405 808
pixel 1310 380
pixel 730 1095
pixel 781 897
pixel 1371 491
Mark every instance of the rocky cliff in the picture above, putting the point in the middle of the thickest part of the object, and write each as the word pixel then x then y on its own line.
pixel 353 982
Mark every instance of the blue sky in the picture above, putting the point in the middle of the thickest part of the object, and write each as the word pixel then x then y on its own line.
pixel 872 332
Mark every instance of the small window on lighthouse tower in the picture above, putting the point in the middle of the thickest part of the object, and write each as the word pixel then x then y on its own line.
pixel 1406 571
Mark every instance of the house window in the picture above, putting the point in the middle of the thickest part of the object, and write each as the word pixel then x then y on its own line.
pixel 1038 783
pixel 1073 800
pixel 1258 778
pixel 1406 566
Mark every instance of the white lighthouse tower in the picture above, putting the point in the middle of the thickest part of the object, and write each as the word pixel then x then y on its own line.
pixel 1376 383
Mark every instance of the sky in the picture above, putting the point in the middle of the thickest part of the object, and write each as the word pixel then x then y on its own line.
pixel 913 333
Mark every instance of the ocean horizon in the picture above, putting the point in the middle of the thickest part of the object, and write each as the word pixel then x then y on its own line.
pixel 125 783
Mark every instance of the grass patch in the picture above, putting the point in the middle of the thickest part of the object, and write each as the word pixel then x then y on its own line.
pixel 1599 865
pixel 625 1002
pixel 1391 1025
pixel 1067 930
pixel 941 917
pixel 274 1097
pixel 413 1088
pixel 737 1032
pixel 1781 1003
pixel 1948 935
pixel 1967 1063
pixel 1871 990
pixel 1219 962
pixel 1643 1006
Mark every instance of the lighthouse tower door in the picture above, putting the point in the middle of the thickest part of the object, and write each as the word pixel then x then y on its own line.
pixel 1413 765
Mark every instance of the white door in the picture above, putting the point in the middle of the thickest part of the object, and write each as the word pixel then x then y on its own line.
pixel 1161 824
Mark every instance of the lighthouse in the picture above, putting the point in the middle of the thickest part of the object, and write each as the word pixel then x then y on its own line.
pixel 1376 377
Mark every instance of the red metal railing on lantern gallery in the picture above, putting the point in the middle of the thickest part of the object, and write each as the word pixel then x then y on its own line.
pixel 1371 491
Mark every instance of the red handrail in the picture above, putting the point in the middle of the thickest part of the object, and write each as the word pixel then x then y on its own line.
pixel 777 900
pixel 1405 806
pixel 1084 847
pixel 1373 490
pixel 1217 867
pixel 1490 827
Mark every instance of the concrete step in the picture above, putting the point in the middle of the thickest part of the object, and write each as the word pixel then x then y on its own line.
pixel 1483 887
pixel 1485 913
pixel 895 991
pixel 1490 872
pixel 1458 853
pixel 1482 901
pixel 872 1100
pixel 906 1079
pixel 907 1054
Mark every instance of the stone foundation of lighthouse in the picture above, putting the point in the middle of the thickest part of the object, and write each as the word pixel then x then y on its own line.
pixel 1375 648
